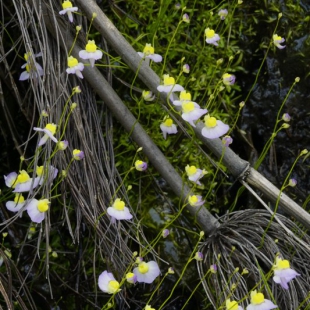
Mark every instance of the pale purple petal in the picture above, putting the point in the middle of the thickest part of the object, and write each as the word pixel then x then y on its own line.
pixel 26 186
pixel 24 76
pixel 150 275
pixel 10 179
pixel 119 215
pixel 215 132
pixel 13 206
pixel 141 54
pixel 34 213
pixel 104 279
pixel 155 57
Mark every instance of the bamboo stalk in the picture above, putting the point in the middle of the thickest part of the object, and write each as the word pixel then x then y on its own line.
pixel 232 161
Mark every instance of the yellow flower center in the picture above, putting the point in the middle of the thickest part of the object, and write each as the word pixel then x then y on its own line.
pixel 119 205
pixel 231 305
pixel 72 62
pixel 66 4
pixel 51 128
pixel 43 205
pixel 39 170
pixel 185 96
pixel 188 106
pixel 190 170
pixel 168 80
pixel 192 199
pixel 168 122
pixel 210 121
pixel 91 46
pixel 276 37
pixel 19 198
pixel 28 68
pixel 282 264
pixel 257 298
pixel 23 177
pixel 143 267
pixel 226 76
pixel 209 33
pixel 148 49
pixel 129 275
pixel 26 56
pixel 113 286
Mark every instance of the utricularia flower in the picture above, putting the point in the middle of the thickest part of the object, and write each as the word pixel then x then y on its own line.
pixel 186 68
pixel 211 37
pixel 198 256
pixel 184 97
pixel 119 211
pixel 228 79
pixel 191 112
pixel 292 182
pixel 21 182
pixel 213 268
pixel 232 305
pixel 140 165
pixel 148 307
pixel 147 272
pixel 185 18
pixel 165 233
pixel 227 140
pixel 68 8
pixel 33 69
pixel 213 128
pixel 286 117
pixel 49 131
pixel 195 200
pixel 36 209
pixel 91 53
pixel 46 174
pixel 131 278
pixel 78 154
pixel 107 283
pixel 167 127
pixel 258 302
pixel 194 174
pixel 148 53
pixel 277 40
pixel 17 204
pixel 169 85
pixel 75 67
pixel 62 145
pixel 148 95
pixel 283 273
pixel 222 14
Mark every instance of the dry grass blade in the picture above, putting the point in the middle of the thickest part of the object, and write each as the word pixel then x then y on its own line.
pixel 239 243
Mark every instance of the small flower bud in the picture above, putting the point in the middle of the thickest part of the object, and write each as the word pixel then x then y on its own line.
pixel 186 68
pixel 139 149
pixel 170 270
pixel 44 113
pixel 227 140
pixel 129 188
pixel 292 182
pixel 213 268
pixel 73 106
pixel 279 15
pixel 297 79
pixel 286 117
pixel 185 18
pixel 76 89
pixel 198 256
pixel 4 234
pixel 219 61
pixel 94 15
pixel 78 28
pixel 202 233
pixel 304 152
pixel 64 173
pixel 54 254
pixel 165 233
pixel 62 145
pixel 285 125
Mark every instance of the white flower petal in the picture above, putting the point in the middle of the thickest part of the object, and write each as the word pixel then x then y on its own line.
pixel 33 212
pixel 155 57
pixel 13 206
pixel 26 186
pixel 10 179
pixel 119 215
pixel 24 76
pixel 104 279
